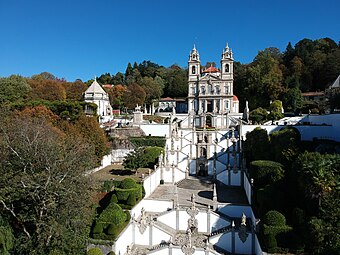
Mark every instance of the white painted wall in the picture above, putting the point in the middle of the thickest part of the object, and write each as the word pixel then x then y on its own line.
pixel 152 181
pixel 168 219
pixel 123 240
pixel 222 241
pixel 183 220
pixel 202 219
pixel 247 188
pixel 142 239
pixel 119 154
pixel 216 222
pixel 159 236
pixel 106 161
pixel 236 210
pixel 151 206
pixel 243 248
pixel 155 129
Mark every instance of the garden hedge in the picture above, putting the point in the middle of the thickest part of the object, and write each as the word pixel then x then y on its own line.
pixel 94 251
pixel 266 172
pixel 143 141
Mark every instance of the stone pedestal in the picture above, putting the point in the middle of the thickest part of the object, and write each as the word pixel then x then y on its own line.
pixel 137 117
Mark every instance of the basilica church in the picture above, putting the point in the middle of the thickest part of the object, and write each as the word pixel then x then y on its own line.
pixel 211 97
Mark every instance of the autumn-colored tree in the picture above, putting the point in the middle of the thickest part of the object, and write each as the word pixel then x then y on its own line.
pixel 134 95
pixel 43 189
pixel 39 111
pixel 47 89
pixel 90 130
pixel 116 94
pixel 74 90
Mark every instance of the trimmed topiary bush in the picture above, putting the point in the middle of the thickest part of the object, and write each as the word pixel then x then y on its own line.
pixel 111 229
pixel 98 228
pixel 132 199
pixel 274 223
pixel 94 251
pixel 123 194
pixel 128 216
pixel 114 199
pixel 274 218
pixel 128 183
pixel 270 242
pixel 112 214
pixel 266 172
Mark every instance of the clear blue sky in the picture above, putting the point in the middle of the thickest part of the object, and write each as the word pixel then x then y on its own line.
pixel 83 38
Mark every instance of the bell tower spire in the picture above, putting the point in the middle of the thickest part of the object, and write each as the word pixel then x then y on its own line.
pixel 194 64
pixel 227 62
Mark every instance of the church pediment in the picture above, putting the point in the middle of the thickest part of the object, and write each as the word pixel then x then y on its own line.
pixel 210 77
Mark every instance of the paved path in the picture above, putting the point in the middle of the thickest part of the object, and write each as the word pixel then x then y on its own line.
pixel 202 189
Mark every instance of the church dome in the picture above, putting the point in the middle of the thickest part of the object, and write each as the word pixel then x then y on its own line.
pixel 235 98
pixel 211 70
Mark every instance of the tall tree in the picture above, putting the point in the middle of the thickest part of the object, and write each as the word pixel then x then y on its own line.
pixel 13 88
pixel 43 189
pixel 264 79
pixel 152 87
pixel 134 95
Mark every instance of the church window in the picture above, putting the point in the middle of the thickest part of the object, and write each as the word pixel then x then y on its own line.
pixel 193 90
pixel 193 70
pixel 217 88
pixel 227 104
pixel 226 89
pixel 227 68
pixel 203 90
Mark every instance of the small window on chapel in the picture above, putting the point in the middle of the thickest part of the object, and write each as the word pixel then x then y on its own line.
pixel 227 68
pixel 193 70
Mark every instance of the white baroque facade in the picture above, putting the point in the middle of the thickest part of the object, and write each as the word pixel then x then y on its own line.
pixel 211 91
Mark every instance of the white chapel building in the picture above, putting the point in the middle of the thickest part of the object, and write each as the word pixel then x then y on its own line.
pixel 97 95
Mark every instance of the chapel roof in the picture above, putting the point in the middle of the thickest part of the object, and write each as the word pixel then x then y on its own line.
pixel 95 88
pixel 336 83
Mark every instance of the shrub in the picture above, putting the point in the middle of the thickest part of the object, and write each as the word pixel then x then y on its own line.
pixel 158 141
pixel 274 218
pixel 151 155
pixel 128 216
pixel 98 228
pixel 111 253
pixel 111 229
pixel 270 241
pixel 266 172
pixel 94 251
pixel 132 199
pixel 123 194
pixel 112 214
pixel 161 182
pixel 128 183
pixel 114 199
pixel 107 185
